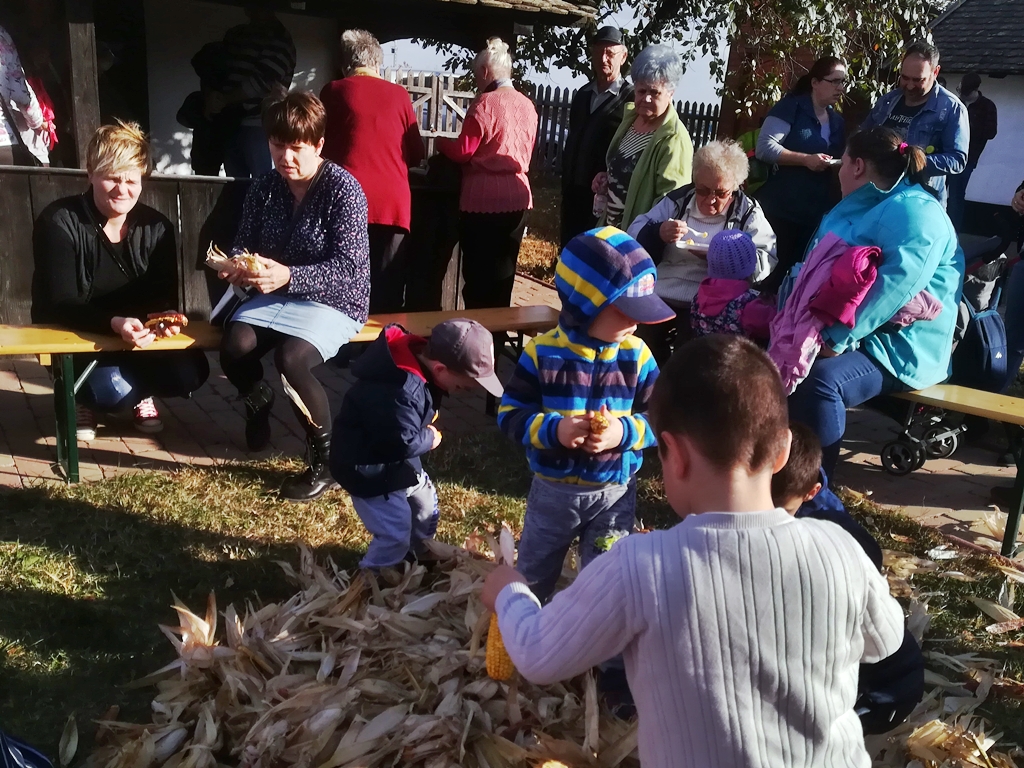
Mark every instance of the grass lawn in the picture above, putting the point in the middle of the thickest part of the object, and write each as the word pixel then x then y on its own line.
pixel 87 572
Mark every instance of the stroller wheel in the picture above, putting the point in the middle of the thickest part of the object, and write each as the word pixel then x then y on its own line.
pixel 901 458
pixel 940 447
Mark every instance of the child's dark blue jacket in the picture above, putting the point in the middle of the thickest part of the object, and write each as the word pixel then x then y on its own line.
pixel 381 430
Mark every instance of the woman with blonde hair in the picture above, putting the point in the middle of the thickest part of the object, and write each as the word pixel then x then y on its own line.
pixel 103 263
pixel 495 148
pixel 677 231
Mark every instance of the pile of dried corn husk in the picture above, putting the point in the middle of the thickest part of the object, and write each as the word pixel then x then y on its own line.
pixel 353 672
pixel 945 730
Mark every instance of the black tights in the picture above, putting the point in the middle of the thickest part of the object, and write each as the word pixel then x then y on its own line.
pixel 243 347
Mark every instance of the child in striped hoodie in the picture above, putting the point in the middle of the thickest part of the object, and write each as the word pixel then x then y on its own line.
pixel 577 402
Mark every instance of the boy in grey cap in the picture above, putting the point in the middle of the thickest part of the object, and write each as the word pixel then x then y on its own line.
pixel 386 424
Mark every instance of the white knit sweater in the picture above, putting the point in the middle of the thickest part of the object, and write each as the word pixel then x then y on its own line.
pixel 742 635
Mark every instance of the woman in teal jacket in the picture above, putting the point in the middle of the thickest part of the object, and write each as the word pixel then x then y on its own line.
pixel 884 205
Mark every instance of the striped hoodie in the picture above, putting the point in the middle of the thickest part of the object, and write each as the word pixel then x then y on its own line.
pixel 566 372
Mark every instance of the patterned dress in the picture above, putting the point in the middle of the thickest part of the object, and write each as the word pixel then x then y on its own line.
pixel 727 321
pixel 14 88
pixel 620 172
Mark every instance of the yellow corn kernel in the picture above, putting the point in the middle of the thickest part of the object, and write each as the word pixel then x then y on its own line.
pixel 499 663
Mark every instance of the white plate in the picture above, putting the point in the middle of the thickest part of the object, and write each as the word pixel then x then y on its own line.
pixel 694 248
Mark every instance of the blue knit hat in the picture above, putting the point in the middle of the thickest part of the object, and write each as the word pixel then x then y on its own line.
pixel 732 255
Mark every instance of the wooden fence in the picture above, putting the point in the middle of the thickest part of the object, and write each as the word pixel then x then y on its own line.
pixel 440 108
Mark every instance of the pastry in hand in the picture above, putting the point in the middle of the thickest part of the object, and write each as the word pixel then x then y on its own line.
pixel 598 423
pixel 161 320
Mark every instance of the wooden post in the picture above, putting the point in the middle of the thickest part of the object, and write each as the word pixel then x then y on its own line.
pixel 84 77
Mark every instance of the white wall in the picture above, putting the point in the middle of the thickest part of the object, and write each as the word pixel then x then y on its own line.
pixel 176 30
pixel 1001 167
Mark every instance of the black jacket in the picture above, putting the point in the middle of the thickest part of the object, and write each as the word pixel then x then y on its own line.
pixel 81 280
pixel 889 689
pixel 381 430
pixel 589 136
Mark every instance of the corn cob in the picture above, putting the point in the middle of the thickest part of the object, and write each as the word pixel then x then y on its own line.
pixel 598 423
pixel 499 663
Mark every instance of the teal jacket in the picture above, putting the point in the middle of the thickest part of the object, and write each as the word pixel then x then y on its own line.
pixel 919 251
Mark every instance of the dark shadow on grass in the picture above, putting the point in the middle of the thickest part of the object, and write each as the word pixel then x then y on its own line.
pixel 90 644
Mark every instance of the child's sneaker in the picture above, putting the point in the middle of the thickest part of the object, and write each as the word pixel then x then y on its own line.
pixel 147 417
pixel 85 424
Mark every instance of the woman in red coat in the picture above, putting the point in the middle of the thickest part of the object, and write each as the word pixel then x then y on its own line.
pixel 373 134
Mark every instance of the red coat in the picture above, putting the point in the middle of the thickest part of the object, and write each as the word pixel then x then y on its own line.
pixel 372 133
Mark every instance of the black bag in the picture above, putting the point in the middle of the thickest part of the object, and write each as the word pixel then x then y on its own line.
pixel 17 754
pixel 979 360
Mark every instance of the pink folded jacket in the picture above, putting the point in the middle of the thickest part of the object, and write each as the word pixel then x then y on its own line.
pixel 834 279
pixel 924 306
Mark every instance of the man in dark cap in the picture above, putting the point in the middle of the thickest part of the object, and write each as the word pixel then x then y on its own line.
pixel 594 116
pixel 982 116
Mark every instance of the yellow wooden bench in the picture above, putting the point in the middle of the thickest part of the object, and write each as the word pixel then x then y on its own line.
pixel 988 405
pixel 55 346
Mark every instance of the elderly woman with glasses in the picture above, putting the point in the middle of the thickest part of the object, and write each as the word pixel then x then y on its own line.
pixel 803 137
pixel 677 230
pixel 651 154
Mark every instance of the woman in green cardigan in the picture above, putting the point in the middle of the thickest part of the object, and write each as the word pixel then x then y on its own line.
pixel 651 154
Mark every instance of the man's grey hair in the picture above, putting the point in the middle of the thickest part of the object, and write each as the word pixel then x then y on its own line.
pixel 724 158
pixel 360 49
pixel 657 65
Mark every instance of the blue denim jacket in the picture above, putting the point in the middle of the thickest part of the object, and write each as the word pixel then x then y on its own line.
pixel 941 129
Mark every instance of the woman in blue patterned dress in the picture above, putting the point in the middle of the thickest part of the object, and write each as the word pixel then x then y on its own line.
pixel 306 223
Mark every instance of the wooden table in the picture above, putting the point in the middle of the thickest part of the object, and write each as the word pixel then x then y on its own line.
pixel 55 346
pixel 987 405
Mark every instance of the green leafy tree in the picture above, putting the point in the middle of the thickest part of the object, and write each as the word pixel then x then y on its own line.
pixel 766 33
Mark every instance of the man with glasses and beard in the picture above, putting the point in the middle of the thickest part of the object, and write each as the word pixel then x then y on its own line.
pixel 926 115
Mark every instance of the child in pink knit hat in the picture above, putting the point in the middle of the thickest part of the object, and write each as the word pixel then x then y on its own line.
pixel 725 302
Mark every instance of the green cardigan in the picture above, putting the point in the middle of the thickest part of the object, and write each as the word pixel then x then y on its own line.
pixel 665 165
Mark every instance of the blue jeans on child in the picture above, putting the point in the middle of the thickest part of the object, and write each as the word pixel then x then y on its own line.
pixel 833 385
pixel 399 522
pixel 558 513
pixel 121 380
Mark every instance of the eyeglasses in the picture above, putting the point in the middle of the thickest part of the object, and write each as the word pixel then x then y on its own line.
pixel 718 194
pixel 838 82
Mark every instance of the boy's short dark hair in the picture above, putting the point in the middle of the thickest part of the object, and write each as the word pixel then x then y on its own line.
pixel 724 393
pixel 803 470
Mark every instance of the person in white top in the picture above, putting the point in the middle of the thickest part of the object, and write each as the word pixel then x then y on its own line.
pixel 742 628
pixel 16 94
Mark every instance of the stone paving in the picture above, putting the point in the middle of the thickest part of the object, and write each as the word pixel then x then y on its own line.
pixel 950 494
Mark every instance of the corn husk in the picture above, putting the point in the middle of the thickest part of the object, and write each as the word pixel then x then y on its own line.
pixel 356 671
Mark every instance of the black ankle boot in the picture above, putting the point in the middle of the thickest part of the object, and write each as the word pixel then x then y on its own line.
pixel 317 479
pixel 257 416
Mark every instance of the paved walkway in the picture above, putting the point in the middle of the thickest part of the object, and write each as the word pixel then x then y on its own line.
pixel 951 494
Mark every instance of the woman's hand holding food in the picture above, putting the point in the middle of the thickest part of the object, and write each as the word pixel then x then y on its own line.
pixel 819 162
pixel 672 230
pixel 133 330
pixel 269 277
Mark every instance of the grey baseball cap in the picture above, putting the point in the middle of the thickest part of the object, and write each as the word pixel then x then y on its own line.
pixel 466 347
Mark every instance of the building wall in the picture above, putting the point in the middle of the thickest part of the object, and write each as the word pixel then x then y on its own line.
pixel 1001 167
pixel 176 30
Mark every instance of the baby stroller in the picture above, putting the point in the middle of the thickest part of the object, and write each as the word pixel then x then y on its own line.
pixel 929 432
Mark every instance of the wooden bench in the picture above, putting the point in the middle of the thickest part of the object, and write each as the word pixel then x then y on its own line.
pixel 55 346
pixel 988 405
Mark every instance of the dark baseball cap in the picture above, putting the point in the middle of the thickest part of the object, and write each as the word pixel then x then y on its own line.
pixel 466 347
pixel 607 36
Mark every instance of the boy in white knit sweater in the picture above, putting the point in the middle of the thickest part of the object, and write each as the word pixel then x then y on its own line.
pixel 742 628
